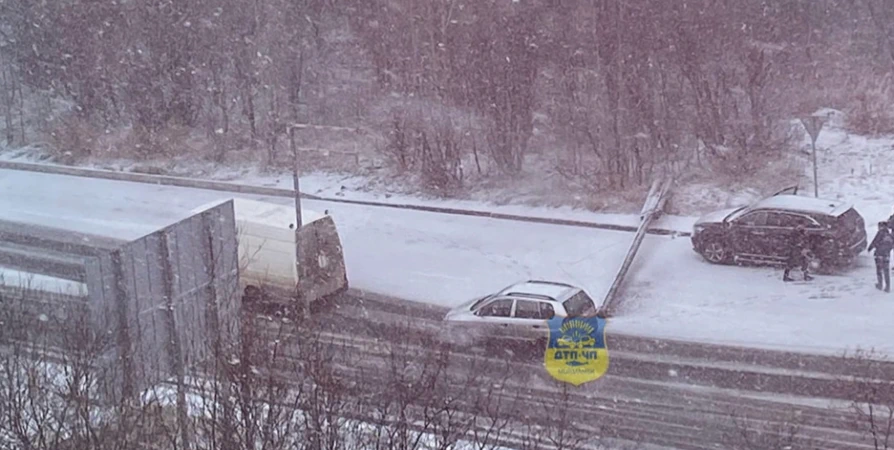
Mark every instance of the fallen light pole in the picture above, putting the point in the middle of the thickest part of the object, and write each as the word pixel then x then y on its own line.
pixel 652 209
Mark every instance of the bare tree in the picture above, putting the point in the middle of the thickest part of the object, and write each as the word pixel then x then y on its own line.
pixel 494 403
pixel 330 400
pixel 9 95
pixel 406 382
pixel 779 433
pixel 246 400
pixel 873 402
pixel 56 388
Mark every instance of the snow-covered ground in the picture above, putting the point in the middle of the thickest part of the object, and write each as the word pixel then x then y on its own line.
pixel 445 260
pixel 354 187
pixel 856 169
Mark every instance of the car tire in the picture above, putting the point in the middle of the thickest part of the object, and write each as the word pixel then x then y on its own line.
pixel 715 252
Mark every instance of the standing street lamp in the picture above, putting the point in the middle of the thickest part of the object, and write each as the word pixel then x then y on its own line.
pixel 296 182
pixel 296 187
pixel 814 124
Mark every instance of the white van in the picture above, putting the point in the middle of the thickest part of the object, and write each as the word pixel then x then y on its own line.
pixel 268 261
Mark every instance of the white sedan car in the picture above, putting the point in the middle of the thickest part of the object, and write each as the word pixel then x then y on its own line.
pixel 519 312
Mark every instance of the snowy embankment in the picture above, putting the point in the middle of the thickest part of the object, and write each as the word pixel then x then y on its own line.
pixel 352 188
pixel 440 259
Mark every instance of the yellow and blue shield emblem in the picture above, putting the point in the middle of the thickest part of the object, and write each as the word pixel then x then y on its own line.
pixel 576 351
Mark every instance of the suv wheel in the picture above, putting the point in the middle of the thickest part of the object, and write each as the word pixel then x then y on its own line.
pixel 715 252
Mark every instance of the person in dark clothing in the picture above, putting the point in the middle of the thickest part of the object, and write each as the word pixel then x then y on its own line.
pixel 798 247
pixel 882 243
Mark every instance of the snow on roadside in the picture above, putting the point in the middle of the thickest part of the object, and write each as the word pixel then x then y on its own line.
pixel 357 432
pixel 353 187
pixel 671 292
pixel 446 260
pixel 752 305
pixel 856 169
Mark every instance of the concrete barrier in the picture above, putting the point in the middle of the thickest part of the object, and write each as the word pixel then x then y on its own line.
pixel 167 180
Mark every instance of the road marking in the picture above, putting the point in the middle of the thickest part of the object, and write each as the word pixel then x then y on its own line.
pixel 439 276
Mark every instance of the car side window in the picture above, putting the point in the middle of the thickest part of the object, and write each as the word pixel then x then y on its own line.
pixel 497 308
pixel 754 219
pixel 788 220
pixel 795 220
pixel 778 220
pixel 547 311
pixel 526 309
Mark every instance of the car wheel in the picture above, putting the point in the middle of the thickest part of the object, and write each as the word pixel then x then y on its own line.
pixel 715 252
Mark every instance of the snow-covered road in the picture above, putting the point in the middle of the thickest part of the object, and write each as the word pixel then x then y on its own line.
pixel 445 260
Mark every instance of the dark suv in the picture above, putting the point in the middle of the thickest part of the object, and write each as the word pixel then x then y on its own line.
pixel 759 233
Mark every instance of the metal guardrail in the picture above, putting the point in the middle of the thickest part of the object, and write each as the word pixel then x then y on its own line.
pixel 167 180
pixel 53 252
pixel 32 260
pixel 56 239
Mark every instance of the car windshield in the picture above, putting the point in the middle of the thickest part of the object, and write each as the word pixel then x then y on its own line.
pixel 736 213
pixel 480 301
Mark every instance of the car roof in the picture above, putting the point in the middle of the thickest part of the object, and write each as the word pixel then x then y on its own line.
pixel 802 204
pixel 540 290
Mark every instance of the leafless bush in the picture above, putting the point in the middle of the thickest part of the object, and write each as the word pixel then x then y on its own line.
pixel 495 402
pixel 330 398
pixel 871 112
pixel 556 424
pixel 245 400
pixel 781 433
pixel 73 137
pixel 56 390
pixel 872 407
pixel 13 99
pixel 401 390
pixel 427 140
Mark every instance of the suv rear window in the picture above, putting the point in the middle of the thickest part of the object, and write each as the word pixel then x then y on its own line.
pixel 579 305
pixel 850 220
